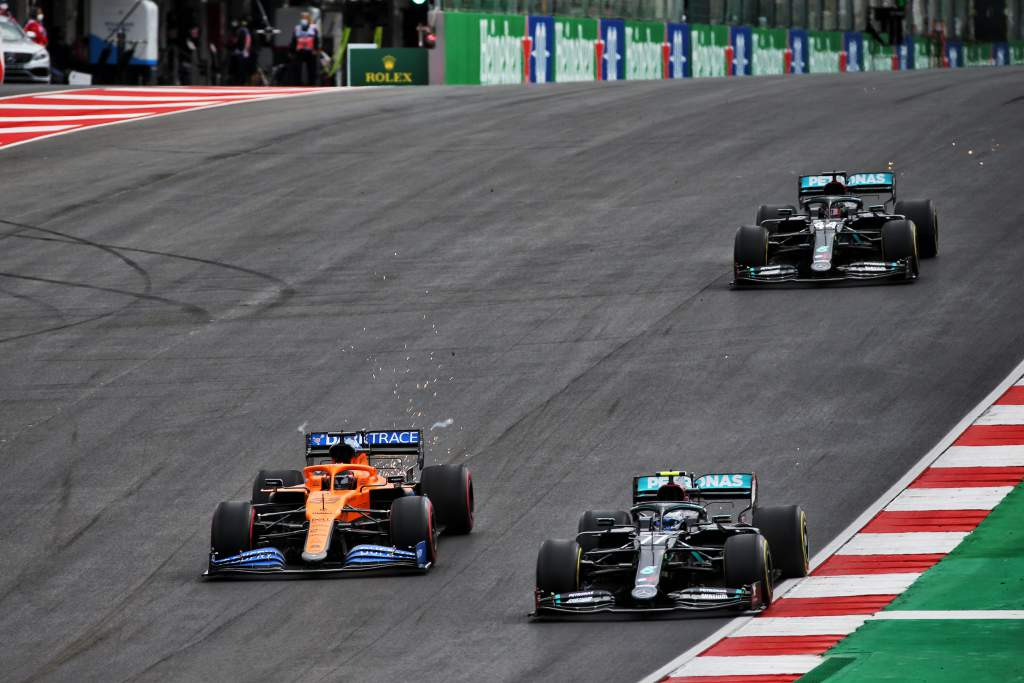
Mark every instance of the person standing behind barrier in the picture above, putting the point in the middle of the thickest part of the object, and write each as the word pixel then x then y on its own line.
pixel 35 25
pixel 241 53
pixel 306 48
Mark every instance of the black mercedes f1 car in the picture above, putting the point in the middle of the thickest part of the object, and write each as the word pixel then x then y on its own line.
pixel 846 227
pixel 688 544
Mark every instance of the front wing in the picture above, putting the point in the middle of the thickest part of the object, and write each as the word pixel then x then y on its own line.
pixel 864 270
pixel 361 559
pixel 691 600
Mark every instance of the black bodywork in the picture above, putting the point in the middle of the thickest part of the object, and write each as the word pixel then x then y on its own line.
pixel 644 568
pixel 833 234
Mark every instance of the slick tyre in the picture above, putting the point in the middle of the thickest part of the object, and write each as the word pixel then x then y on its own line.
pixel 785 527
pixel 899 242
pixel 751 248
pixel 558 567
pixel 767 212
pixel 926 221
pixel 450 489
pixel 288 477
pixel 588 522
pixel 231 530
pixel 748 560
pixel 412 521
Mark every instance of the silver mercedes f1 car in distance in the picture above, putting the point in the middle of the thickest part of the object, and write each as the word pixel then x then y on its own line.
pixel 689 544
pixel 846 227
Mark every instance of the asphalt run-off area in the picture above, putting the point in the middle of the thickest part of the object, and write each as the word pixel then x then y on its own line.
pixel 536 276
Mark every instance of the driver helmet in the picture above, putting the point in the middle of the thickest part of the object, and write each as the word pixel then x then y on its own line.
pixel 676 519
pixel 344 481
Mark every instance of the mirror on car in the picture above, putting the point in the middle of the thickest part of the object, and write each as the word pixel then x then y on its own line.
pixel 877 208
pixel 785 213
pixel 605 522
pixel 721 519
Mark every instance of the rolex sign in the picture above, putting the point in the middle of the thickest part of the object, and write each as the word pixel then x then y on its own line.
pixel 387 66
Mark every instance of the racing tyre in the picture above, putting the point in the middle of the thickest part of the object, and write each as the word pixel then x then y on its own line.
pixel 926 220
pixel 751 249
pixel 898 242
pixel 289 477
pixel 412 521
pixel 588 522
pixel 231 531
pixel 450 489
pixel 558 567
pixel 767 212
pixel 785 527
pixel 748 560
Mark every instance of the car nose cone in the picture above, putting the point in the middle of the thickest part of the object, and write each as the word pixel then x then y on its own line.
pixel 644 592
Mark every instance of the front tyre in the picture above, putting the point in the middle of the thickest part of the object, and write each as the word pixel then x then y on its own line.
pixel 785 527
pixel 558 567
pixel 450 489
pixel 231 530
pixel 926 220
pixel 412 522
pixel 751 247
pixel 899 242
pixel 748 560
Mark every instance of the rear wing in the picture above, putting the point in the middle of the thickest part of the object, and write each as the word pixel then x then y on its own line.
pixel 386 449
pixel 878 182
pixel 706 488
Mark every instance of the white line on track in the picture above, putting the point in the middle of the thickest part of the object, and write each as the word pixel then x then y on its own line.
pixel 749 666
pixel 802 626
pixel 33 129
pixel 982 456
pixel 156 105
pixel 1016 377
pixel 975 498
pixel 77 117
pixel 850 585
pixel 128 98
pixel 1002 415
pixel 913 543
pixel 170 90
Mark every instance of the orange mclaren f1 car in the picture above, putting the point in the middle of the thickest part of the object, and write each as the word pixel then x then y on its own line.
pixel 355 507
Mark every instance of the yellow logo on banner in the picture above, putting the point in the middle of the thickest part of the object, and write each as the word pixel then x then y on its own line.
pixel 389 75
pixel 389 62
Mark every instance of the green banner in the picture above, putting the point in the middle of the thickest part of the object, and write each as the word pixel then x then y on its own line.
pixel 878 57
pixel 769 51
pixel 926 53
pixel 707 45
pixel 1017 52
pixel 390 66
pixel 824 47
pixel 978 54
pixel 643 50
pixel 574 49
pixel 483 48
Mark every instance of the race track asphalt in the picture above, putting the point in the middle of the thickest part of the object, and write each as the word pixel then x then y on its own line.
pixel 547 267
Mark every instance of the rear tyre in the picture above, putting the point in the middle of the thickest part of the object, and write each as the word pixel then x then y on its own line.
pixel 231 530
pixel 588 522
pixel 289 477
pixel 450 489
pixel 785 527
pixel 926 220
pixel 747 561
pixel 558 567
pixel 899 242
pixel 412 521
pixel 751 248
pixel 767 212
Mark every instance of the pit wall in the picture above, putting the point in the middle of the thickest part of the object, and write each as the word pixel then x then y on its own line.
pixel 486 49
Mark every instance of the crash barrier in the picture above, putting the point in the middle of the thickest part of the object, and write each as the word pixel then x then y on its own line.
pixel 514 48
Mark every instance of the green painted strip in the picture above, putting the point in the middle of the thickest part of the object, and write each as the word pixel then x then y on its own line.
pixel 986 571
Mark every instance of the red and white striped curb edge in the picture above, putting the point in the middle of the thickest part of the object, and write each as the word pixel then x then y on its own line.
pixel 34 116
pixel 907 530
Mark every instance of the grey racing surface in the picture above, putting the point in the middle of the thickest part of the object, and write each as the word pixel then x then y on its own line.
pixel 539 277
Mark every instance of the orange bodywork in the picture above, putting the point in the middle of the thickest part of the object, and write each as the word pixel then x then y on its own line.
pixel 325 505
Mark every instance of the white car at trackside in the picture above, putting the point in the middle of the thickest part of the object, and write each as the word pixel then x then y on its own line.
pixel 24 60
